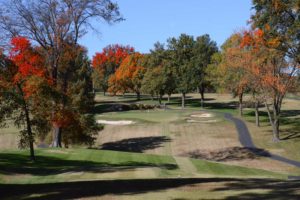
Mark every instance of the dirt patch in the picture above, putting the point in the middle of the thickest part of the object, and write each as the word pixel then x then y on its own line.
pixel 121 122
pixel 228 154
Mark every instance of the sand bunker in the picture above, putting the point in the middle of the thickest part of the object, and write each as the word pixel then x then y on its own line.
pixel 121 122
pixel 203 115
pixel 196 121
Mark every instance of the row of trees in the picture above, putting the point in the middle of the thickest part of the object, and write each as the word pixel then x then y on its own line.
pixel 180 67
pixel 46 78
pixel 262 61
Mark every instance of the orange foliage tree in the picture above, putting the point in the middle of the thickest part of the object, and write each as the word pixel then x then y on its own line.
pixel 23 82
pixel 273 75
pixel 107 62
pixel 232 68
pixel 128 77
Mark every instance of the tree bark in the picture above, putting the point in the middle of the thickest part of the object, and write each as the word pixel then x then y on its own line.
pixel 241 104
pixel 257 113
pixel 29 132
pixel 201 91
pixel 183 101
pixel 274 123
pixel 28 125
pixel 57 135
pixel 169 96
pixel 159 99
pixel 276 111
pixel 138 96
pixel 276 130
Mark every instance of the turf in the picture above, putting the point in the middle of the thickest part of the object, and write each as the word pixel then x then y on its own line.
pixel 86 164
pixel 150 115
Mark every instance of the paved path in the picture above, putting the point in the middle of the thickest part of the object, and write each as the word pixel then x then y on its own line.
pixel 246 141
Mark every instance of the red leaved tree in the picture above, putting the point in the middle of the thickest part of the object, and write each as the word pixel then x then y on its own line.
pixel 23 80
pixel 107 62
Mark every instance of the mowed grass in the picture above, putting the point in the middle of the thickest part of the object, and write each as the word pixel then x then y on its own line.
pixel 220 103
pixel 85 164
pixel 88 173
pixel 80 173
pixel 152 116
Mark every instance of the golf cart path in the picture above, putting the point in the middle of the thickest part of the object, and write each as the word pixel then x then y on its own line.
pixel 246 141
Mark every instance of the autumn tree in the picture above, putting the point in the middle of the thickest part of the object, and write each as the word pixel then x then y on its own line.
pixel 181 50
pixel 75 101
pixel 129 76
pixel 203 51
pixel 24 81
pixel 227 70
pixel 52 24
pixel 273 71
pixel 107 62
pixel 279 20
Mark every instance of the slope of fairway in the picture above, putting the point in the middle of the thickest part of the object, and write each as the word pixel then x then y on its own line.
pixel 87 164
pixel 150 115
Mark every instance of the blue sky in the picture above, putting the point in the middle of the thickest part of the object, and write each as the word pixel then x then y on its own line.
pixel 148 21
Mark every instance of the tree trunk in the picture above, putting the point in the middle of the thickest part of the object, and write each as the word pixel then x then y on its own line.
pixel 29 132
pixel 183 101
pixel 201 91
pixel 169 96
pixel 274 123
pixel 57 135
pixel 275 128
pixel 241 104
pixel 257 113
pixel 28 125
pixel 104 93
pixel 159 99
pixel 138 96
pixel 276 112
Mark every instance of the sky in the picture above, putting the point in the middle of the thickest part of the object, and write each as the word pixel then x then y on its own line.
pixel 149 21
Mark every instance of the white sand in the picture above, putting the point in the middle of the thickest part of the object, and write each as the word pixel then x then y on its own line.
pixel 203 115
pixel 121 122
pixel 195 121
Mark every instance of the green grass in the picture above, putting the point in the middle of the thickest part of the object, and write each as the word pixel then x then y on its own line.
pixel 69 165
pixel 221 170
pixel 84 173
pixel 85 164
pixel 149 116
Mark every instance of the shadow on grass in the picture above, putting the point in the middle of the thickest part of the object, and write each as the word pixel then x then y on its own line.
pixel 289 122
pixel 229 154
pixel 292 130
pixel 136 144
pixel 189 101
pixel 232 105
pixel 47 165
pixel 274 190
pixel 88 189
